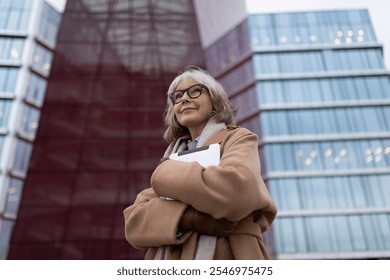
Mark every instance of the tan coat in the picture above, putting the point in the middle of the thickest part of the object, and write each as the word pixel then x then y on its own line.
pixel 233 190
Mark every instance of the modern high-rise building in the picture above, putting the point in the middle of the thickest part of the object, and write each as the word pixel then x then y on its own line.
pixel 314 87
pixel 100 131
pixel 28 31
pixel 310 83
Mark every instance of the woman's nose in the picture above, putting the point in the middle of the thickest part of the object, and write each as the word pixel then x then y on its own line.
pixel 185 97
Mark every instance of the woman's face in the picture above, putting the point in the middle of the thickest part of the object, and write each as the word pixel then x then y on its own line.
pixel 193 113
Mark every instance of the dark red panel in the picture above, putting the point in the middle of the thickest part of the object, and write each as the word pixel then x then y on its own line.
pixel 90 223
pixel 108 122
pixel 62 121
pixel 112 90
pixel 55 155
pixel 97 188
pixel 48 189
pixel 36 251
pixel 86 250
pixel 42 224
pixel 104 154
pixel 121 250
pixel 72 90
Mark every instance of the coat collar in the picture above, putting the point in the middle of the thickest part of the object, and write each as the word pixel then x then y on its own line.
pixel 212 127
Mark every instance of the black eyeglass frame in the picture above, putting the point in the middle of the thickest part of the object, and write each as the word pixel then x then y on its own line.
pixel 202 86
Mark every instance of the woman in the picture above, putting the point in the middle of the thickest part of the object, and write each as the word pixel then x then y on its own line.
pixel 218 212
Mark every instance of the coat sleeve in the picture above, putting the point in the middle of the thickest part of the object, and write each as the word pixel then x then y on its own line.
pixel 152 221
pixel 232 190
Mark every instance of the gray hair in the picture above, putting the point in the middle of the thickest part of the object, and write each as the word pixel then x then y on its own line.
pixel 223 111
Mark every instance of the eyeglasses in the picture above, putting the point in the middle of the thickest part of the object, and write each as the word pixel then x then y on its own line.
pixel 193 92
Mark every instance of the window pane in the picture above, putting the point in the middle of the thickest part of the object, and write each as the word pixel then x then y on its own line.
pixel 29 122
pixel 384 230
pixel 8 77
pixel 22 157
pixel 290 193
pixel 287 234
pixel 14 196
pixel 36 89
pixel 343 236
pixel 357 234
pixel 42 60
pixel 372 232
pixel 384 182
pixel 6 227
pixel 321 240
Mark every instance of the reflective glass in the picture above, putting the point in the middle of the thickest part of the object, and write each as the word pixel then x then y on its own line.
pixel 8 76
pixel 29 121
pixel 317 61
pixel 343 192
pixel 322 197
pixel 317 90
pixel 14 194
pixel 372 232
pixel 5 106
pixel 359 193
pixel 3 18
pixel 1 143
pixel 14 14
pixel 6 227
pixel 13 19
pixel 301 241
pixel 291 194
pixel 234 80
pixel 49 24
pixel 343 235
pixel 276 191
pixel 333 234
pixel 42 59
pixel 230 49
pixel 22 157
pixel 278 231
pixel 329 155
pixel 288 235
pixel 333 27
pixel 384 230
pixel 317 121
pixel 11 49
pixel 36 89
pixel 386 151
pixel 321 237
pixel 378 154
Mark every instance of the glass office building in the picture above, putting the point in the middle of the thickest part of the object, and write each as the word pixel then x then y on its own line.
pixel 28 31
pixel 314 87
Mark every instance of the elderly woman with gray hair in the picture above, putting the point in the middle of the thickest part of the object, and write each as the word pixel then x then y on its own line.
pixel 218 212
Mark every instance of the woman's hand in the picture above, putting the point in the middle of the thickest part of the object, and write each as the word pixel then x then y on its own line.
pixel 205 223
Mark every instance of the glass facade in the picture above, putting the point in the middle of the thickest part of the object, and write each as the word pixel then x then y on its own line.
pixel 15 14
pixel 311 28
pixel 8 76
pixel 314 87
pixel 25 62
pixel 101 124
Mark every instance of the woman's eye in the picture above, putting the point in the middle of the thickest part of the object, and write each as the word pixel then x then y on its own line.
pixel 196 89
pixel 178 95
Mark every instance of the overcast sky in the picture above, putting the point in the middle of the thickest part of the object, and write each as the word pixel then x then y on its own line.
pixel 57 4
